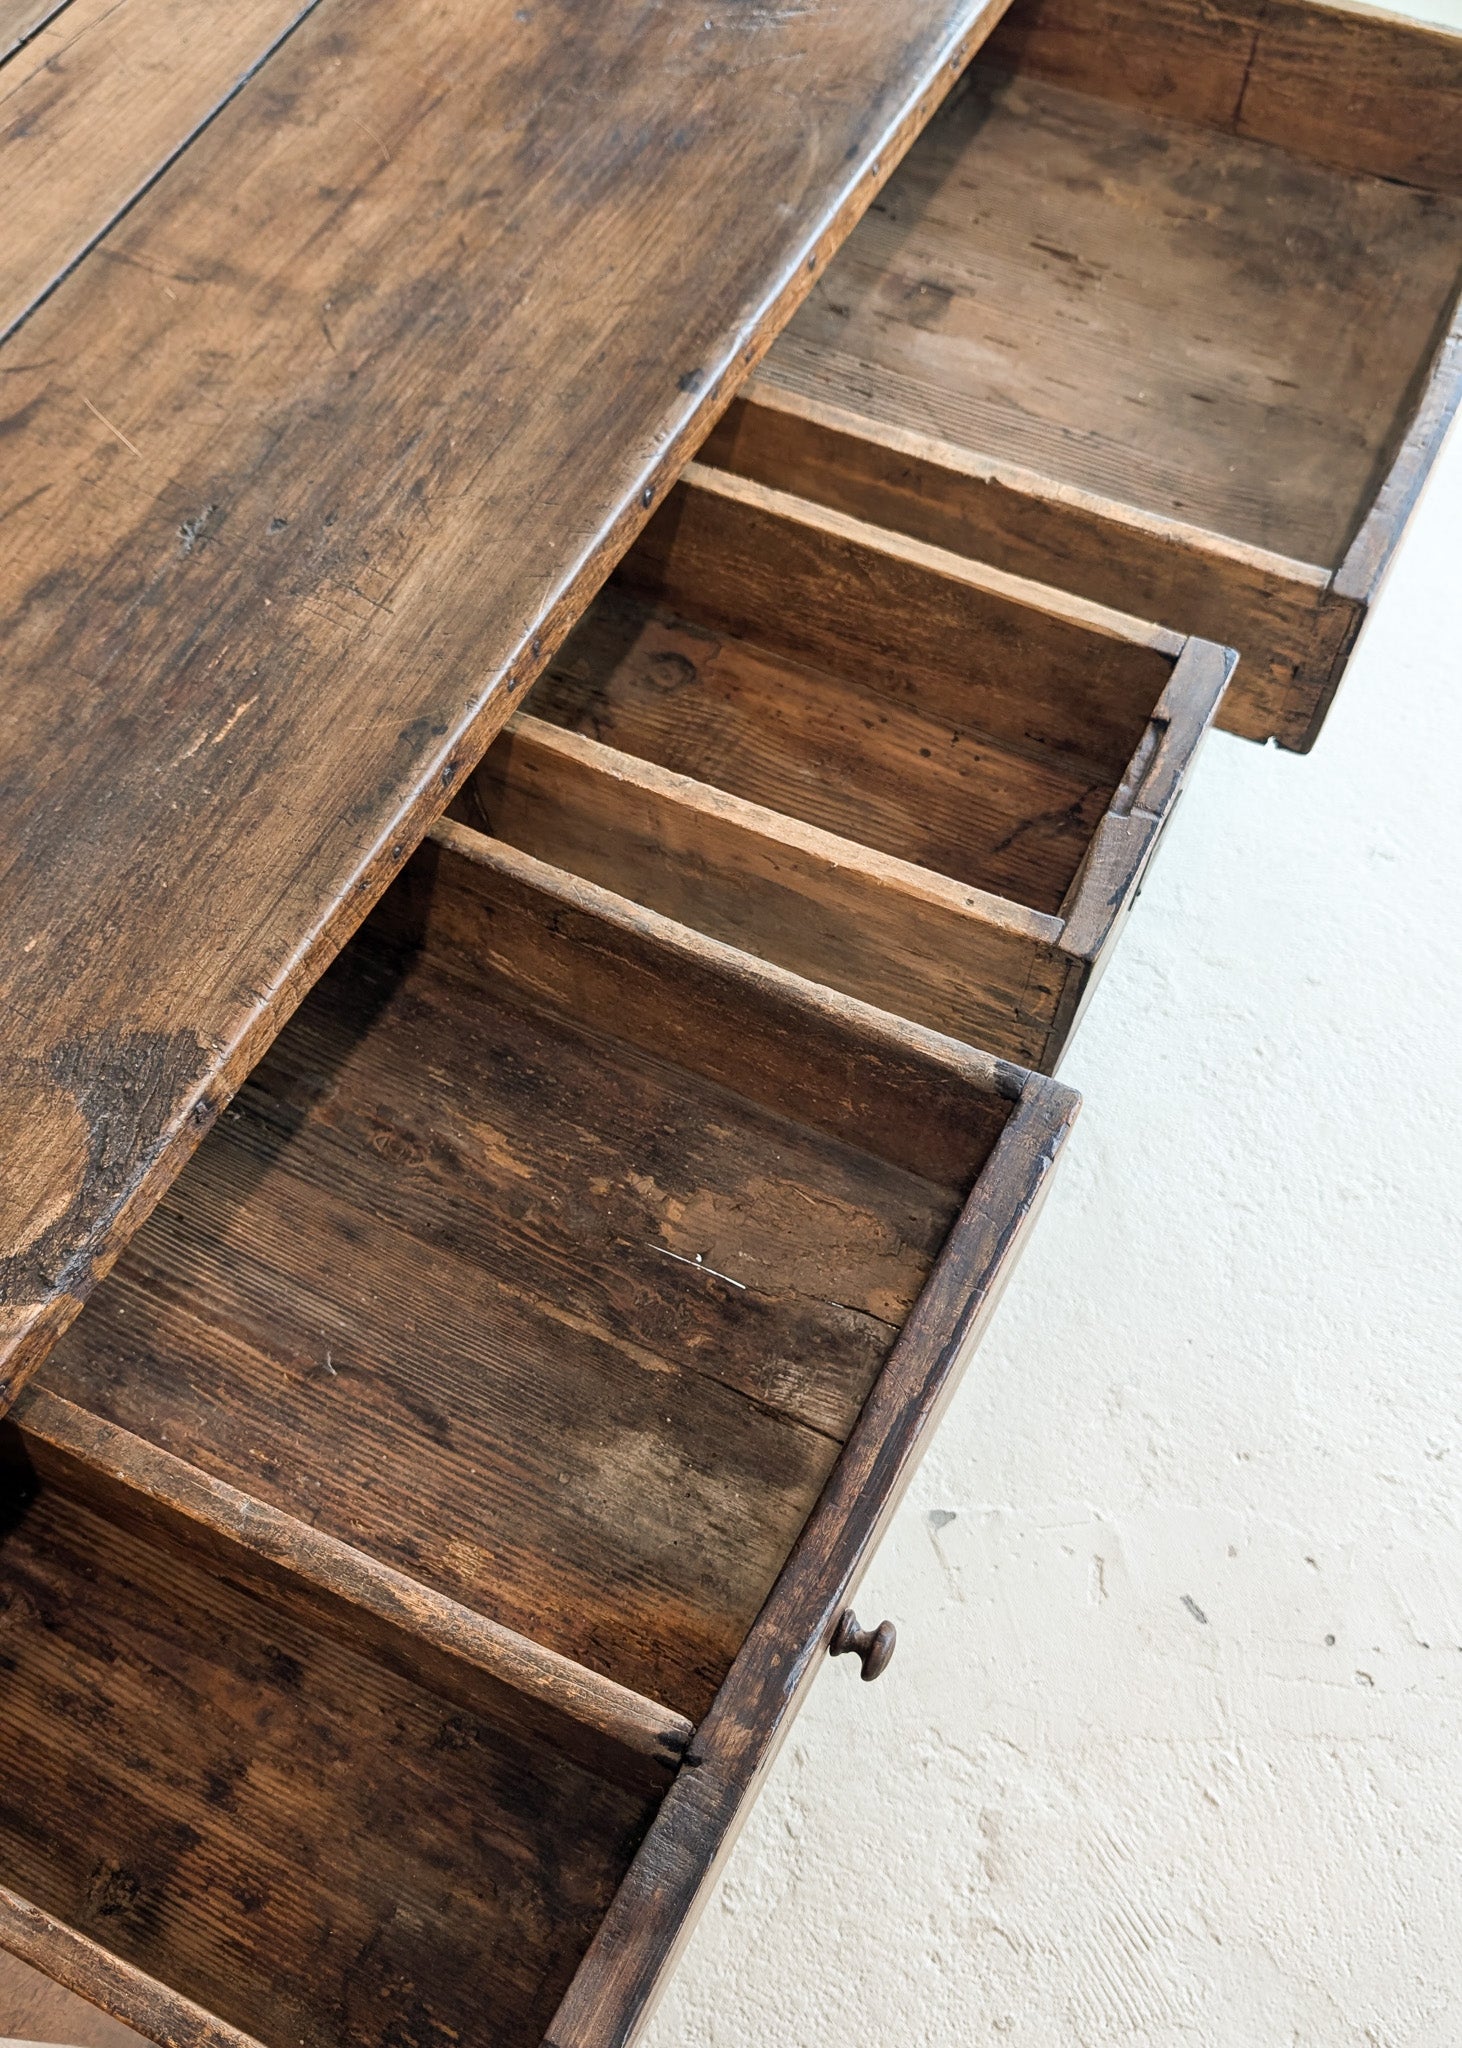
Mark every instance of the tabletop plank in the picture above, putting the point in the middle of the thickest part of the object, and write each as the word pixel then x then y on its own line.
pixel 93 106
pixel 20 19
pixel 310 465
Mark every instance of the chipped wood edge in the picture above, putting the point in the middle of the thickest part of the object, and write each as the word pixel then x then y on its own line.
pixel 1111 877
pixel 81 1965
pixel 434 1640
pixel 631 1957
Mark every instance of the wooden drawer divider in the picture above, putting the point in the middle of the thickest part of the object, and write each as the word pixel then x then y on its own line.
pixel 755 699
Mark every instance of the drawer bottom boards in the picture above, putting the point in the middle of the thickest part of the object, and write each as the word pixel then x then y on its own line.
pixel 1164 308
pixel 412 1556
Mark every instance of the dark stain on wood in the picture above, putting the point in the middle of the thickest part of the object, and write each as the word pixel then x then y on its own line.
pixel 303 1843
pixel 93 1109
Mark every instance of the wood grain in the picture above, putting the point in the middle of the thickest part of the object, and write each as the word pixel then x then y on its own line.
pixel 1123 325
pixel 19 21
pixel 1439 394
pixel 914 942
pixel 925 789
pixel 290 524
pixel 1036 527
pixel 271 1825
pixel 1031 666
pixel 478 1279
pixel 96 104
pixel 878 1083
pixel 1195 323
pixel 842 811
pixel 463 1657
pixel 873 688
pixel 79 1969
pixel 1184 59
pixel 36 2008
pixel 1359 87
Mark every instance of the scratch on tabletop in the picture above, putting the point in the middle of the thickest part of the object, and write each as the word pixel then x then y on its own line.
pixel 225 729
pixel 366 129
pixel 700 1264
pixel 112 429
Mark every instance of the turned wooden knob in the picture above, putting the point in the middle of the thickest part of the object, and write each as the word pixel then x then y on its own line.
pixel 873 1647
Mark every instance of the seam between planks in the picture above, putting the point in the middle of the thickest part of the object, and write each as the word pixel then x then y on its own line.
pixel 120 211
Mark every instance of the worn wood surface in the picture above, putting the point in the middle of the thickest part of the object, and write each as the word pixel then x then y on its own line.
pixel 308 469
pixel 95 104
pixel 84 1984
pixel 879 1084
pixel 34 2007
pixel 655 1909
pixel 859 681
pixel 1123 323
pixel 833 746
pixel 387 1292
pixel 1355 86
pixel 1195 323
pixel 1037 669
pixel 1106 886
pixel 272 1825
pixel 1369 555
pixel 19 21
pixel 913 942
pixel 1035 526
pixel 463 1657
pixel 478 1278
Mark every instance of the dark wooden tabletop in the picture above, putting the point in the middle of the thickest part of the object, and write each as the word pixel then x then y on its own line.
pixel 345 351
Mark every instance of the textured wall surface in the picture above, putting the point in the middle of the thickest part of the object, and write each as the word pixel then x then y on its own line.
pixel 1171 1750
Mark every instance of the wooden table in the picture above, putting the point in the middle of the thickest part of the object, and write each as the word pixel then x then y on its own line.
pixel 346 347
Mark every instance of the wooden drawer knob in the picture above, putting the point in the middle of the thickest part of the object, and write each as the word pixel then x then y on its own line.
pixel 873 1647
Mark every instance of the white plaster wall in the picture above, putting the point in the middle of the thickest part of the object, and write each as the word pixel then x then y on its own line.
pixel 1171 1750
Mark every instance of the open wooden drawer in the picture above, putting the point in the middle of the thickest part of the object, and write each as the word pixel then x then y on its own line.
pixel 921 781
pixel 415 1549
pixel 1163 308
